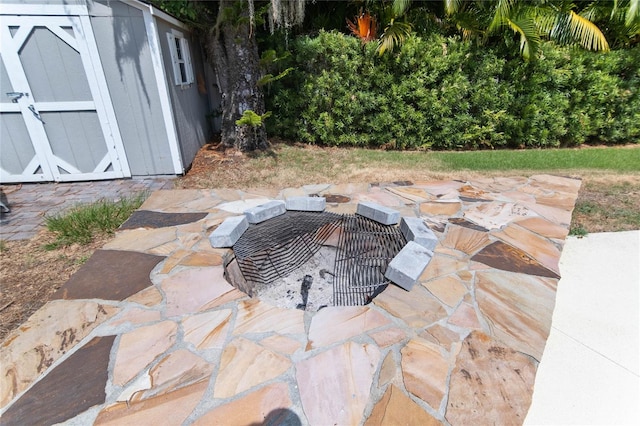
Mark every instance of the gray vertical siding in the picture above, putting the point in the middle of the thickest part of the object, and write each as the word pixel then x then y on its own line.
pixel 124 50
pixel 190 107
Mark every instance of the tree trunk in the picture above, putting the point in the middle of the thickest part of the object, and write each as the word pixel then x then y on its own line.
pixel 233 51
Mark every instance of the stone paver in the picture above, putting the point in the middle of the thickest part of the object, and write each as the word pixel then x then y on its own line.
pixel 185 347
pixel 30 202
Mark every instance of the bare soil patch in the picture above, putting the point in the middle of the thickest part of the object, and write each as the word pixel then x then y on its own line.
pixel 29 275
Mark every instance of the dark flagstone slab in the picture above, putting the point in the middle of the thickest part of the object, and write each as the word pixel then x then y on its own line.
pixel 502 256
pixel 467 224
pixel 70 389
pixel 336 198
pixel 110 275
pixel 151 219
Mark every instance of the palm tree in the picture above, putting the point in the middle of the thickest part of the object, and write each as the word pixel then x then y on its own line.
pixel 563 21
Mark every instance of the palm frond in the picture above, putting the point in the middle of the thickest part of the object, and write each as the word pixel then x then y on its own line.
pixel 452 6
pixel 529 37
pixel 399 7
pixel 633 13
pixel 577 29
pixel 394 35
pixel 501 15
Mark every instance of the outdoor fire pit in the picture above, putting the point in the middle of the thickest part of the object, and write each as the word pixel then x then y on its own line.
pixel 312 259
pixel 309 260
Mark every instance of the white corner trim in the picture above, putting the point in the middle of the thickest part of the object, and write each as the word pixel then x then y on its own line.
pixel 163 90
pixel 156 12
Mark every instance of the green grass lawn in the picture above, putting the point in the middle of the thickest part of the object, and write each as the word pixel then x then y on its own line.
pixel 615 159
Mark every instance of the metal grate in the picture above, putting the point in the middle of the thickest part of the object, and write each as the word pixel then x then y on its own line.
pixel 365 249
pixel 276 247
pixel 272 249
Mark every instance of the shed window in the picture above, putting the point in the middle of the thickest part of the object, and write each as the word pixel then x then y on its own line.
pixel 180 58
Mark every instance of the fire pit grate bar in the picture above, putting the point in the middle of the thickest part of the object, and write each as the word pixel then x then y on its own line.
pixel 274 248
pixel 364 251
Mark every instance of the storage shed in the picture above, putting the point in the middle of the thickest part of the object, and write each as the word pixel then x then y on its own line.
pixel 98 90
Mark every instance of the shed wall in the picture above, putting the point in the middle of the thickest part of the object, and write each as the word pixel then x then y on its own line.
pixel 122 42
pixel 190 102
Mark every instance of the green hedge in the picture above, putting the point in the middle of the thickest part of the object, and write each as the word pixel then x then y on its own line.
pixel 443 93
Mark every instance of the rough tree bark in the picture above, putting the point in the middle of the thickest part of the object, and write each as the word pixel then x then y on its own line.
pixel 233 49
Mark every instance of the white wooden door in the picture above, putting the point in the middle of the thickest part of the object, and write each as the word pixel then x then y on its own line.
pixel 56 118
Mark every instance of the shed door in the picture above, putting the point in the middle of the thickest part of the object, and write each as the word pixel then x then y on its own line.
pixel 54 107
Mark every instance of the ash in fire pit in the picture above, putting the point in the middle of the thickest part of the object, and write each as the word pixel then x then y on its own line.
pixel 308 260
pixel 309 287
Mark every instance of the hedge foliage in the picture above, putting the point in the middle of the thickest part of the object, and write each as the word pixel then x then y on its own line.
pixel 444 93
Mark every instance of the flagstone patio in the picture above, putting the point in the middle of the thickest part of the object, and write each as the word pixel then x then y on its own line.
pixel 150 331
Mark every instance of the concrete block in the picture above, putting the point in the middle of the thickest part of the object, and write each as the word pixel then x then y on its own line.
pixel 379 213
pixel 405 269
pixel 414 229
pixel 265 211
pixel 306 204
pixel 229 231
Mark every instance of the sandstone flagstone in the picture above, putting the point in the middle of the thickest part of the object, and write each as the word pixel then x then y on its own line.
pixel 425 371
pixel 449 289
pixel 141 240
pixel 490 383
pixel 255 316
pixel 415 307
pixel 176 370
pixel 150 296
pixel 333 324
pixel 442 265
pixel 439 188
pixel 556 215
pixel 170 200
pixel 543 227
pixel 136 316
pixel 207 330
pixel 416 195
pixel 464 239
pixel 519 308
pixel 388 370
pixel 167 409
pixel 54 329
pixel 465 316
pixel 138 348
pixel 379 196
pixel 245 364
pixel 201 259
pixel 388 336
pixel 269 405
pixel 341 377
pixel 395 408
pixel 495 215
pixel 539 248
pixel 559 183
pixel 282 344
pixel 192 289
pixel 75 385
pixel 443 208
pixel 441 336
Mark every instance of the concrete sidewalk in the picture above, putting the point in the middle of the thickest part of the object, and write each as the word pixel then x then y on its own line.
pixel 590 369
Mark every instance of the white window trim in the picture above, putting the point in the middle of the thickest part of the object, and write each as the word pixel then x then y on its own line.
pixel 172 37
